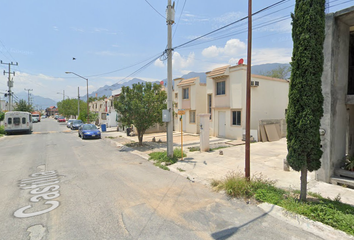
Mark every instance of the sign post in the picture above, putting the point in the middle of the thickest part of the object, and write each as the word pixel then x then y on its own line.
pixel 181 112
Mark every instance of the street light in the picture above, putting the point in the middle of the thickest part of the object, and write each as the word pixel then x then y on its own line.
pixel 87 92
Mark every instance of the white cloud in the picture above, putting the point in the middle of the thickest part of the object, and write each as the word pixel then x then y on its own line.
pixel 55 28
pixel 232 48
pixel 179 63
pixel 271 55
pixel 159 63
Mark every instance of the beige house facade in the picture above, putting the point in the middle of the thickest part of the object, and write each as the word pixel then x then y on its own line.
pixel 189 95
pixel 226 101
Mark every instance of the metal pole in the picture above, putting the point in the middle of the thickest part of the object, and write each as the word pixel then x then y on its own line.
pixel 182 137
pixel 248 93
pixel 88 119
pixel 78 102
pixel 169 21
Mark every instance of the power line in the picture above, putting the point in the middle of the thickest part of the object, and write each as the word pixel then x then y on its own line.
pixel 184 4
pixel 230 24
pixel 155 9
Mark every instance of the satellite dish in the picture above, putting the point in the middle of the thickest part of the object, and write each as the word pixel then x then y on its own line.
pixel 240 61
pixel 161 83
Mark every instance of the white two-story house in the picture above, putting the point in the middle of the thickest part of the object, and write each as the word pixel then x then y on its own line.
pixel 226 101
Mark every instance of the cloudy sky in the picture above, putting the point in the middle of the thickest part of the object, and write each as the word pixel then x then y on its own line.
pixel 111 40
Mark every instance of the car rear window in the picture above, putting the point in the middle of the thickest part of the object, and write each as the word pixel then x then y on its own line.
pixel 23 120
pixel 17 120
pixel 9 120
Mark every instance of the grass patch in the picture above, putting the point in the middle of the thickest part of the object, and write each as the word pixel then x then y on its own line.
pixel 162 160
pixel 2 131
pixel 217 148
pixel 194 149
pixel 181 170
pixel 331 212
pixel 110 137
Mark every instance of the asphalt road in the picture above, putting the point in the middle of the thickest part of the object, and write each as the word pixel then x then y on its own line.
pixel 54 185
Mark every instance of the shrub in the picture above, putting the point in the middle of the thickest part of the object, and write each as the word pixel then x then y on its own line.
pixel 2 130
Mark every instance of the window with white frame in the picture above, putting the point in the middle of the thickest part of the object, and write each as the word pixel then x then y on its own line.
pixel 185 93
pixel 192 116
pixel 236 118
pixel 209 105
pixel 220 88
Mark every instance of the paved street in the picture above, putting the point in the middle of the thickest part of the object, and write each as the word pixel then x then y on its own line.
pixel 56 186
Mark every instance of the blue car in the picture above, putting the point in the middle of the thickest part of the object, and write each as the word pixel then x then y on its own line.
pixel 89 131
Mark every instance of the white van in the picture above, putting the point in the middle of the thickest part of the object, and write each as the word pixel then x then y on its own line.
pixel 18 122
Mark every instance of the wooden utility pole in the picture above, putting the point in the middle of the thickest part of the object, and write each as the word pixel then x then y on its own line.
pixel 248 93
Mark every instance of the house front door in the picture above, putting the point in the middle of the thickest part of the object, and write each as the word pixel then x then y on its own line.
pixel 222 124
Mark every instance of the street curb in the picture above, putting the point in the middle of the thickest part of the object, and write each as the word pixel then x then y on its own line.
pixel 317 228
pixel 125 148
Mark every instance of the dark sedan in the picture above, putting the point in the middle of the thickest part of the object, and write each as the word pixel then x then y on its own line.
pixel 76 124
pixel 89 131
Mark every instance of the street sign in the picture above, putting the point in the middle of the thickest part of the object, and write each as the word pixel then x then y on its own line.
pixel 181 112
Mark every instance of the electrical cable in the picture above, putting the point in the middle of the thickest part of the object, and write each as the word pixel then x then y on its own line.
pixel 184 4
pixel 155 9
pixel 230 24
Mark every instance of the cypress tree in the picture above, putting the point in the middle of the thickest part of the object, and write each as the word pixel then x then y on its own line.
pixel 305 108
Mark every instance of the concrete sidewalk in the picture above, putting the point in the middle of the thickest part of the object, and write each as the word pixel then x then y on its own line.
pixel 266 159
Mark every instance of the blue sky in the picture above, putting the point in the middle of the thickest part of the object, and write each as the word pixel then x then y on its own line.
pixel 106 36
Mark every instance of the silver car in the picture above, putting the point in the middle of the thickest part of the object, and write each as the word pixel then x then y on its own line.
pixel 69 122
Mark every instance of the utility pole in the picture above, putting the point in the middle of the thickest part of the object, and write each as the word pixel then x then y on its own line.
pixel 78 102
pixel 248 93
pixel 28 94
pixel 10 83
pixel 169 20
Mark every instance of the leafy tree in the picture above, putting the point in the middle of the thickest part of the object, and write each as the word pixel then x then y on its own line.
pixel 280 72
pixel 305 108
pixel 141 106
pixel 68 107
pixel 2 116
pixel 23 106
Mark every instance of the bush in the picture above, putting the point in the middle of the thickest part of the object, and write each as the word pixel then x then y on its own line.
pixel 2 130
pixel 331 212
pixel 161 157
pixel 236 185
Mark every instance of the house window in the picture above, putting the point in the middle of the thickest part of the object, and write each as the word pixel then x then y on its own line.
pixel 176 95
pixel 103 116
pixel 176 105
pixel 192 116
pixel 220 88
pixel 185 93
pixel 209 105
pixel 236 118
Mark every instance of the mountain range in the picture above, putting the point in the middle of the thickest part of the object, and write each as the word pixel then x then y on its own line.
pixel 42 103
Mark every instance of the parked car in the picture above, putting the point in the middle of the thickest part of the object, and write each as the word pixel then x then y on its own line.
pixel 56 117
pixel 61 119
pixel 35 119
pixel 76 124
pixel 89 131
pixel 69 122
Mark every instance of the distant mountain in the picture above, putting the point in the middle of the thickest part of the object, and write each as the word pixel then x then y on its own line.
pixel 107 90
pixel 37 101
pixel 263 68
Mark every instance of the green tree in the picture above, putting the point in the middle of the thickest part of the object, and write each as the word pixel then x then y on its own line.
pixel 2 116
pixel 68 107
pixel 141 106
pixel 23 106
pixel 305 107
pixel 280 72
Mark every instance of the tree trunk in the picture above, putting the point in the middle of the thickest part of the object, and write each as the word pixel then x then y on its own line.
pixel 303 193
pixel 140 137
